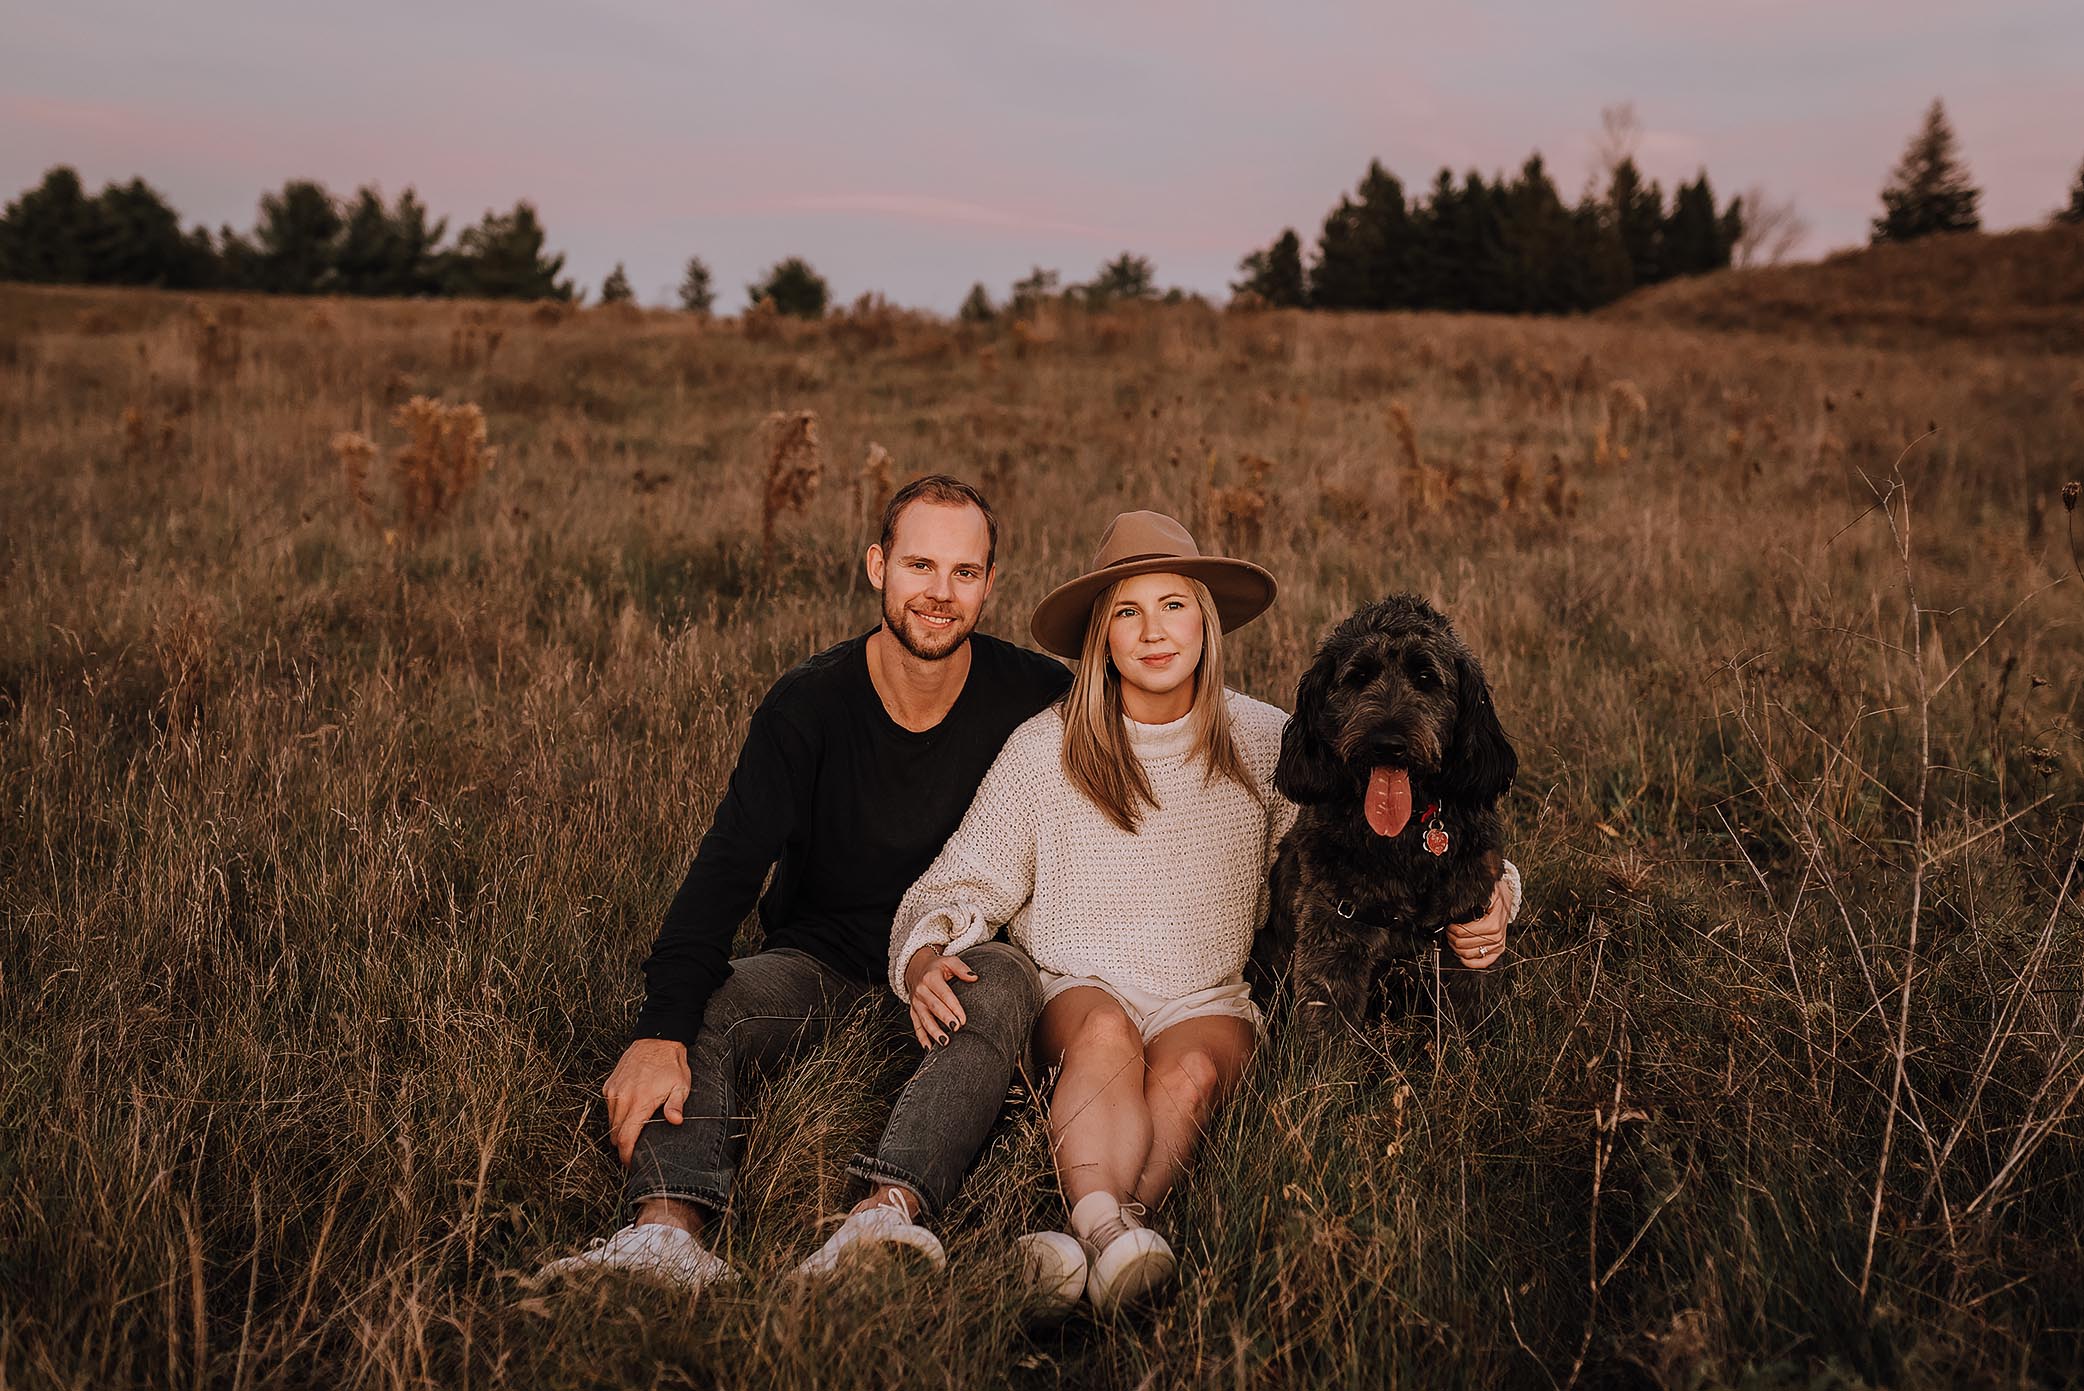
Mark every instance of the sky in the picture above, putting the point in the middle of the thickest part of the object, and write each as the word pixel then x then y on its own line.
pixel 913 148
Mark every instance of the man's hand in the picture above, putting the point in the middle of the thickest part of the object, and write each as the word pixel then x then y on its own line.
pixel 1479 944
pixel 934 1006
pixel 652 1073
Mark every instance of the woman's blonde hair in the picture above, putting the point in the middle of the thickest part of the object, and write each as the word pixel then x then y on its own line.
pixel 1098 758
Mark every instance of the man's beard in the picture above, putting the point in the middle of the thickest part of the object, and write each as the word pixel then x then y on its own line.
pixel 927 644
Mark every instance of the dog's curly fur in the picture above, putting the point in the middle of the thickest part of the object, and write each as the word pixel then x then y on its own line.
pixel 1354 914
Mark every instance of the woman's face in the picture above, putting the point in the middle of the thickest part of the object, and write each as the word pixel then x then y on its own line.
pixel 1154 635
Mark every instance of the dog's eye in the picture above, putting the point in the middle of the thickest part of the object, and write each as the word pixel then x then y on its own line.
pixel 1357 676
pixel 1425 677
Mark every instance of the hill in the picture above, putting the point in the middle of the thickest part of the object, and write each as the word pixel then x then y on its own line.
pixel 2023 288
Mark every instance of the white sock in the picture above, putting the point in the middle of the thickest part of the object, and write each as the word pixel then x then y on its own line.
pixel 1092 1210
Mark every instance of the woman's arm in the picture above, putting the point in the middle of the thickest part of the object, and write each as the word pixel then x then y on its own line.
pixel 986 871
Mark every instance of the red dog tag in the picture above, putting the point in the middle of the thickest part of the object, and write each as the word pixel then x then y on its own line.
pixel 1436 840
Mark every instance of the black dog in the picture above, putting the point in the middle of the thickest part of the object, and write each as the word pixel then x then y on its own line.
pixel 1396 761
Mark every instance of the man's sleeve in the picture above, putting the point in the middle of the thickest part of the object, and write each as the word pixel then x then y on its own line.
pixel 764 803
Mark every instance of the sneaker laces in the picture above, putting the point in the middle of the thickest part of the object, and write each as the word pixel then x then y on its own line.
pixel 1105 1233
pixel 895 1203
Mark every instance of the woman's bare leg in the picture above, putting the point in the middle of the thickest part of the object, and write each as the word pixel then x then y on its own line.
pixel 1192 1066
pixel 1099 1122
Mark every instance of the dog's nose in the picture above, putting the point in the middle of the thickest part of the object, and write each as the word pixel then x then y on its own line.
pixel 1393 750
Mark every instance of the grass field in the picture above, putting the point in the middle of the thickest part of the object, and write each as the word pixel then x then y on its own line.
pixel 345 780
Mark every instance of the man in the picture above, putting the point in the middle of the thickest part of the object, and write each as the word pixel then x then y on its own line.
pixel 856 767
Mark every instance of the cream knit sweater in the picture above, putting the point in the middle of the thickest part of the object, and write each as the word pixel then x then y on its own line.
pixel 1168 910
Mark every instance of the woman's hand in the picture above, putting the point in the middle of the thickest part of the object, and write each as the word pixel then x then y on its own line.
pixel 934 1006
pixel 1479 944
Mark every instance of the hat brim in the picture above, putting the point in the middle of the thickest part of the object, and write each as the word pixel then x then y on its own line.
pixel 1242 592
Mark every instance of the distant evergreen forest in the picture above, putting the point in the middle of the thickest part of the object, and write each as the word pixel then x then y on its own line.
pixel 1508 246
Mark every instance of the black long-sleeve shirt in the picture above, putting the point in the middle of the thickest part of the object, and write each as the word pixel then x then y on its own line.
pixel 846 805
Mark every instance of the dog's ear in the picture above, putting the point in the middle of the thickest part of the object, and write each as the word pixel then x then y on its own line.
pixel 1309 771
pixel 1481 763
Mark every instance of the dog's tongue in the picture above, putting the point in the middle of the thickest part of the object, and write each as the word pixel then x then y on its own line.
pixel 1388 803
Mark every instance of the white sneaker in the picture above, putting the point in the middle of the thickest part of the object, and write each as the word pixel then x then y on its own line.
pixel 887 1224
pixel 1127 1260
pixel 1054 1266
pixel 653 1251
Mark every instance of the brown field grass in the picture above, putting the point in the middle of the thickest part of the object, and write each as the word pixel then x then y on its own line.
pixel 336 821
pixel 2022 288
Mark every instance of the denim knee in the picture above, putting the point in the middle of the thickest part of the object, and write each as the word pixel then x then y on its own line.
pixel 1006 996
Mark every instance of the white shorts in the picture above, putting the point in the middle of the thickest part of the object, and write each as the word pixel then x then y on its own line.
pixel 1154 1014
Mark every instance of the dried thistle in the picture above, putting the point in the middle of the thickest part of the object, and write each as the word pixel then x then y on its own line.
pixel 445 454
pixel 217 342
pixel 872 485
pixel 1512 482
pixel 763 322
pixel 1626 407
pixel 795 463
pixel 1407 436
pixel 356 452
pixel 1424 488
pixel 1239 512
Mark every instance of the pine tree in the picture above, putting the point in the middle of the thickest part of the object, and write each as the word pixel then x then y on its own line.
pixel 1694 237
pixel 1365 254
pixel 1459 235
pixel 1638 210
pixel 1031 289
pixel 502 258
pixel 794 287
pixel 1536 244
pixel 134 237
pixel 616 288
pixel 977 307
pixel 1928 191
pixel 44 233
pixel 1127 276
pixel 1275 274
pixel 366 258
pixel 298 236
pixel 696 296
pixel 238 262
pixel 1599 269
pixel 2074 213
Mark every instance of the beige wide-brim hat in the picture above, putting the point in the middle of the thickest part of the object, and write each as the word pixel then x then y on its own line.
pixel 1148 543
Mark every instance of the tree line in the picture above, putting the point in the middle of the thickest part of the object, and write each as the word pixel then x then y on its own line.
pixel 1505 245
pixel 1513 245
pixel 1502 245
pixel 304 242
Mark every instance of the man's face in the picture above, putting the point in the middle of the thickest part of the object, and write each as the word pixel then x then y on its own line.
pixel 935 578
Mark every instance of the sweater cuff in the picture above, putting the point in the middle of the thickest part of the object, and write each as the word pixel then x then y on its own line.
pixel 1509 880
pixel 951 929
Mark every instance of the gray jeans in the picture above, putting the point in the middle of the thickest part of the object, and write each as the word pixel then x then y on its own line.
pixel 775 1003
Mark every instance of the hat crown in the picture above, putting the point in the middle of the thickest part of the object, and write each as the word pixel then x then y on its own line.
pixel 1141 536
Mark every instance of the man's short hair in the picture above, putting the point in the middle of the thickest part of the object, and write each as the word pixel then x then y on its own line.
pixel 948 492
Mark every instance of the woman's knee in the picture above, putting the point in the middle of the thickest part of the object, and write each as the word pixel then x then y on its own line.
pixel 1107 1031
pixel 1192 1079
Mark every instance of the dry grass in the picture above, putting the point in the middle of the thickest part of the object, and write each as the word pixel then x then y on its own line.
pixel 2016 288
pixel 327 864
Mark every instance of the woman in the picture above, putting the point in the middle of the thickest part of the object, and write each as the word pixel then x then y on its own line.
pixel 1123 839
